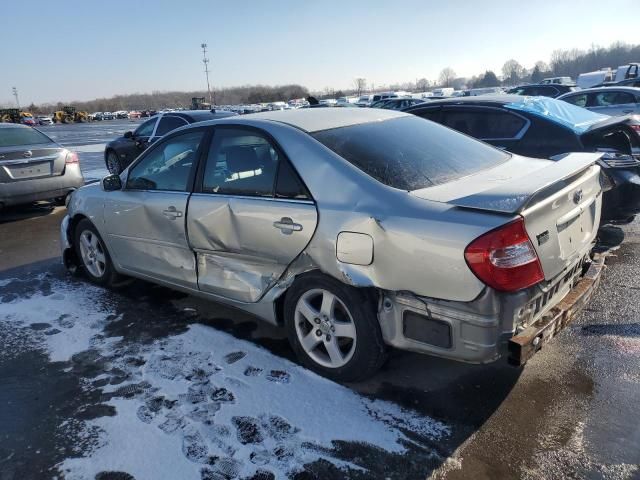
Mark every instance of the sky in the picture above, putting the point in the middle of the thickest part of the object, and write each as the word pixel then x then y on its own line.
pixel 80 50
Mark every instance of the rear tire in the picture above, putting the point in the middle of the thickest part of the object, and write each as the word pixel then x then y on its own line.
pixel 114 165
pixel 93 255
pixel 333 328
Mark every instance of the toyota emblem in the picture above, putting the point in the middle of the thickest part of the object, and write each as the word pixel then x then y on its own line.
pixel 577 196
pixel 27 154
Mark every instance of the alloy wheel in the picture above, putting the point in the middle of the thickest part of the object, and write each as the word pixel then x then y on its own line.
pixel 325 328
pixel 93 254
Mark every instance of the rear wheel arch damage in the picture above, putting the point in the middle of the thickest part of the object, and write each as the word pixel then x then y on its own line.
pixel 354 328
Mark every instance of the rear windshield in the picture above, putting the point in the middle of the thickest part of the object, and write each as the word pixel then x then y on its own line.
pixel 410 153
pixel 16 136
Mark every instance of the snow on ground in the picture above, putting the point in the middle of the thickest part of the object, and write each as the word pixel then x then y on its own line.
pixel 204 404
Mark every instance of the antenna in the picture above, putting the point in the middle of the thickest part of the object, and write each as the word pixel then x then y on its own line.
pixel 205 60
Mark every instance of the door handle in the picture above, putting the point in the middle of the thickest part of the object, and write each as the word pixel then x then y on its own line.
pixel 287 226
pixel 172 213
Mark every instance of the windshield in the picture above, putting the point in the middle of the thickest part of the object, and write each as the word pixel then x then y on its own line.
pixel 410 153
pixel 16 136
pixel 576 118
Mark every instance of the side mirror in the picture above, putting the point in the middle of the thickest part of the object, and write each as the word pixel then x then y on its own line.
pixel 128 134
pixel 111 183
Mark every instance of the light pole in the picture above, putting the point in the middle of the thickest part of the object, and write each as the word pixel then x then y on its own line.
pixel 205 60
pixel 15 94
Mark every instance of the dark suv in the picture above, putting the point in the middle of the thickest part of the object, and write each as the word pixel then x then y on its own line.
pixel 119 153
pixel 552 90
pixel 548 128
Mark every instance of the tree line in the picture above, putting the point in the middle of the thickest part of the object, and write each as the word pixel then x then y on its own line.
pixel 247 94
pixel 569 63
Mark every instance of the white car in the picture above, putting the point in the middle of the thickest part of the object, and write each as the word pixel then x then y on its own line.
pixel 606 100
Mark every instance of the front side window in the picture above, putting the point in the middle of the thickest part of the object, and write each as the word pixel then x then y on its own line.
pixel 408 153
pixel 169 123
pixel 240 162
pixel 484 124
pixel 168 166
pixel 146 129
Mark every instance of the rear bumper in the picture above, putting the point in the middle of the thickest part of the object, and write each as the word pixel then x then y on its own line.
pixel 526 343
pixel 483 330
pixel 27 191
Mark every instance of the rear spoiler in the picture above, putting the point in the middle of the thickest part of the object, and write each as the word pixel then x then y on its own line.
pixel 511 187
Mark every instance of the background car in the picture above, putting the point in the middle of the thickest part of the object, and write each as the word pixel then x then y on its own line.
pixel 119 153
pixel 542 90
pixel 33 167
pixel 280 214
pixel 396 103
pixel 44 120
pixel 606 100
pixel 548 128
pixel 108 116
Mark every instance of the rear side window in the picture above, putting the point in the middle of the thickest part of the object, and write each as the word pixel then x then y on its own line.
pixel 408 153
pixel 240 162
pixel 16 136
pixel 483 123
pixel 169 123
pixel 288 184
pixel 605 99
pixel 579 100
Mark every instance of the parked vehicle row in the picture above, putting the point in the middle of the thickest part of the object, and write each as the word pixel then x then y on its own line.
pixel 357 230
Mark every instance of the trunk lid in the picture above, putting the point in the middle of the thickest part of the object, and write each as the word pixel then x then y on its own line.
pixel 32 161
pixel 559 201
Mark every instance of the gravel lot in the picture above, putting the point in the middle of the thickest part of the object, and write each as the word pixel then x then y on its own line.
pixel 147 383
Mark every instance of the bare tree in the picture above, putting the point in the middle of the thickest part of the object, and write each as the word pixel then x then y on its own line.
pixel 361 85
pixel 512 71
pixel 422 84
pixel 447 75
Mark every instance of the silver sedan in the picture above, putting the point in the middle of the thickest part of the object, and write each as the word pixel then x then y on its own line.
pixel 33 167
pixel 355 229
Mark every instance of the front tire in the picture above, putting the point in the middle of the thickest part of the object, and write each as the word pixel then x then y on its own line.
pixel 333 328
pixel 93 255
pixel 114 165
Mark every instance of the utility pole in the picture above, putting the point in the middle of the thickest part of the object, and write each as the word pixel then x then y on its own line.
pixel 15 94
pixel 205 60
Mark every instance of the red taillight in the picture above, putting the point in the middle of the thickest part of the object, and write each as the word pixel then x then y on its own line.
pixel 504 258
pixel 72 157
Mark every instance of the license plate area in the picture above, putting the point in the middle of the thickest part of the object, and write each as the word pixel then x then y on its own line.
pixel 28 170
pixel 575 229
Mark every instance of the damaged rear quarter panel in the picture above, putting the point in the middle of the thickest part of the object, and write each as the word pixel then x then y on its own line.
pixel 418 245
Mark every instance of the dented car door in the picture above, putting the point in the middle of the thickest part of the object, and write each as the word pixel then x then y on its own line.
pixel 145 221
pixel 250 215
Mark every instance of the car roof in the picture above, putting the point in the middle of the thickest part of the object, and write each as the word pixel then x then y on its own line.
pixel 604 89
pixel 317 119
pixel 13 125
pixel 200 115
pixel 496 99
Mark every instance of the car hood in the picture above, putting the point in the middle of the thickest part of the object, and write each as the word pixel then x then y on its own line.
pixel 509 187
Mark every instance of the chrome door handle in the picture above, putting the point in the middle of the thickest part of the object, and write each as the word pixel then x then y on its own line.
pixel 172 213
pixel 287 226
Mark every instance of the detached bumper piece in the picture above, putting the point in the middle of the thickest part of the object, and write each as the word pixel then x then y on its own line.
pixel 524 345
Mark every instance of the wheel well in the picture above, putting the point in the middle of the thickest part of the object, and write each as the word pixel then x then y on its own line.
pixel 369 293
pixel 73 222
pixel 107 151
